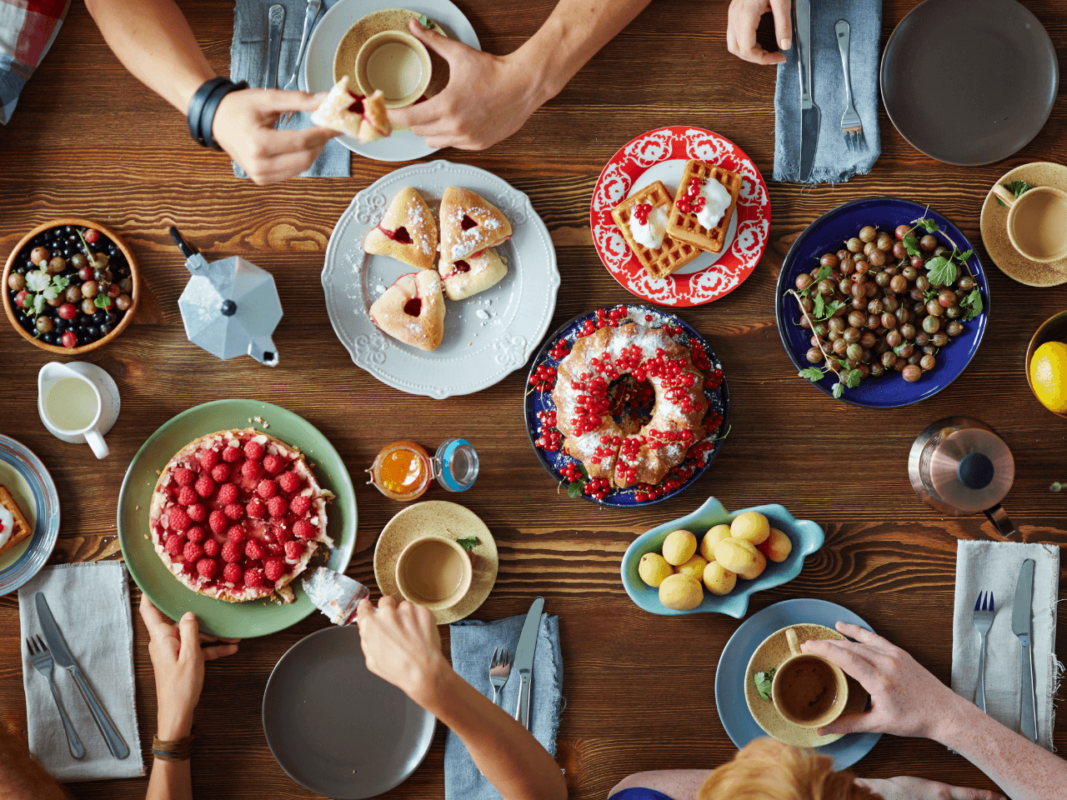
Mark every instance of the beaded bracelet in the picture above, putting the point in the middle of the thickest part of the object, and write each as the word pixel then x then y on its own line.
pixel 176 750
pixel 196 106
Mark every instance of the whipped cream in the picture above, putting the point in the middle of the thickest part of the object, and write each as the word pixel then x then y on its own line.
pixel 650 234
pixel 7 526
pixel 716 201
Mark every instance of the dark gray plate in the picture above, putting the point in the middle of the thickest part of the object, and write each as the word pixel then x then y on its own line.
pixel 969 82
pixel 335 728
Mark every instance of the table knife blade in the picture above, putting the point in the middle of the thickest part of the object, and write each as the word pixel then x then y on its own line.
pixel 810 116
pixel 524 659
pixel 1022 626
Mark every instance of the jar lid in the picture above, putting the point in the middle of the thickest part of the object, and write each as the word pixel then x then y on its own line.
pixel 445 475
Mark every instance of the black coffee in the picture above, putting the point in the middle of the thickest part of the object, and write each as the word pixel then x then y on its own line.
pixel 807 688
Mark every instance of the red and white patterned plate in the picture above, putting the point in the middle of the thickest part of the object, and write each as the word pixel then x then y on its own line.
pixel 660 155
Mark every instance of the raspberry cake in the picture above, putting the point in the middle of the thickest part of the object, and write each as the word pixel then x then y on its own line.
pixel 236 515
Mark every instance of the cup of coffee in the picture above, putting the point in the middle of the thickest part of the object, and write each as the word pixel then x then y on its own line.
pixel 1037 222
pixel 808 690
pixel 434 572
pixel 396 63
pixel 78 403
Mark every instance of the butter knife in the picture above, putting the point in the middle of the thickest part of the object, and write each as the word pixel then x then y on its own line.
pixel 524 659
pixel 810 116
pixel 1022 626
pixel 275 27
pixel 63 657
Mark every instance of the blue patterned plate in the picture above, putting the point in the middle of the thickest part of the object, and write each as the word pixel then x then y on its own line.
pixel 32 487
pixel 806 536
pixel 538 402
pixel 826 235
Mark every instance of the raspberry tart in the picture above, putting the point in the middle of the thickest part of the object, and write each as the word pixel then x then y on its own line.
pixel 407 232
pixel 362 117
pixel 236 515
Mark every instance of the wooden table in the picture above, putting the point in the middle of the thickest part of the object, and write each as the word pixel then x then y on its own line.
pixel 89 140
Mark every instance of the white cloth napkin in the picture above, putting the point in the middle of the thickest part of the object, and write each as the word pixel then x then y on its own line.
pixel 994 567
pixel 91 604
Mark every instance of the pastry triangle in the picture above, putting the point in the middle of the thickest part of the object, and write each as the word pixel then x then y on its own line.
pixel 472 274
pixel 413 310
pixel 348 112
pixel 407 232
pixel 469 224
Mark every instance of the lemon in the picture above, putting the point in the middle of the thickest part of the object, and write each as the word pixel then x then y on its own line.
pixel 712 538
pixel 679 547
pixel 694 566
pixel 681 592
pixel 653 569
pixel 1048 375
pixel 751 526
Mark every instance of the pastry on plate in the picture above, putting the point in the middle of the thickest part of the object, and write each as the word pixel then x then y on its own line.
pixel 642 220
pixel 472 274
pixel 13 524
pixel 236 515
pixel 357 115
pixel 469 224
pixel 704 205
pixel 413 310
pixel 407 232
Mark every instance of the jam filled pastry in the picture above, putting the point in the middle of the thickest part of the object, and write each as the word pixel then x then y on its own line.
pixel 407 232
pixel 704 205
pixel 345 111
pixel 413 310
pixel 469 224
pixel 473 274
pixel 13 525
pixel 642 221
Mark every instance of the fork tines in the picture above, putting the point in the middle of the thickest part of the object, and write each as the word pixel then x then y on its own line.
pixel 984 602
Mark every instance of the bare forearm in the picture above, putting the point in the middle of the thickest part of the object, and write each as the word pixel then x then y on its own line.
pixel 153 41
pixel 171 780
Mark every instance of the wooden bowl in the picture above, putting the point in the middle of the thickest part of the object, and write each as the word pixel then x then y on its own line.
pixel 1053 329
pixel 135 292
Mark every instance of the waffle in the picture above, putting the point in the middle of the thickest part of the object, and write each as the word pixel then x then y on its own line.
pixel 672 254
pixel 21 528
pixel 685 227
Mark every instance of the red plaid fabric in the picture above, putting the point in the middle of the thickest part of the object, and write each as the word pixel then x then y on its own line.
pixel 27 29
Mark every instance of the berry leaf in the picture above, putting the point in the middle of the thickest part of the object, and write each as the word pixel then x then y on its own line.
pixel 812 374
pixel 962 257
pixel 973 304
pixel 468 543
pixel 853 378
pixel 820 306
pixel 941 271
pixel 102 301
pixel 1017 188
pixel 839 389
pixel 911 244
pixel 824 273
pixel 929 225
pixel 574 489
pixel 764 681
pixel 37 281
pixel 38 304
pixel 584 472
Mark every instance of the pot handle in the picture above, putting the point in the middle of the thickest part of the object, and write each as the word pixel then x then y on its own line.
pixel 187 249
pixel 999 517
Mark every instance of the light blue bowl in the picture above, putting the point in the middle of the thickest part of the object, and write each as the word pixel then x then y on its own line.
pixel 806 536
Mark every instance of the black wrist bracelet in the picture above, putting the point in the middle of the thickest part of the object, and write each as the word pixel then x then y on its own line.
pixel 211 106
pixel 196 106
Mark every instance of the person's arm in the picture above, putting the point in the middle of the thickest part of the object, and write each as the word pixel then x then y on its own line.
pixel 907 700
pixel 489 97
pixel 22 778
pixel 153 41
pixel 743 19
pixel 178 663
pixel 402 646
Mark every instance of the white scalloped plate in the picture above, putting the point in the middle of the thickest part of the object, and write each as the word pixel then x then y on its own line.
pixel 487 336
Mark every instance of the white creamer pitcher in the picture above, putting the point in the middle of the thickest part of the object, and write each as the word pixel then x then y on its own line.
pixel 78 403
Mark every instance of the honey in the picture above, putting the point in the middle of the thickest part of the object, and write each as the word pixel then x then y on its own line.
pixel 401 471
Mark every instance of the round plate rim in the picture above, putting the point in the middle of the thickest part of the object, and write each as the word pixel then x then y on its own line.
pixel 39 559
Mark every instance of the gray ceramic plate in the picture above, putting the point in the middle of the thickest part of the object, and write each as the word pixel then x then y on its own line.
pixel 335 728
pixel 969 82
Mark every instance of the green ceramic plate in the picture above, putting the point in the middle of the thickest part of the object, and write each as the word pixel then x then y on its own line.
pixel 257 617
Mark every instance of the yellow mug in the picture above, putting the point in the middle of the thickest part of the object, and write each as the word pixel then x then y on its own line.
pixel 1037 222
pixel 808 690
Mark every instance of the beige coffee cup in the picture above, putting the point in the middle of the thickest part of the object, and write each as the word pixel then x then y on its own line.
pixel 808 690
pixel 396 63
pixel 1037 222
pixel 434 572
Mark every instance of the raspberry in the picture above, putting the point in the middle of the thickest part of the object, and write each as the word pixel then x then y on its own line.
pixel 273 464
pixel 218 521
pixel 267 489
pixel 205 487
pixel 304 529
pixel 252 470
pixel 227 494
pixel 254 450
pixel 177 520
pixel 195 534
pixel 197 512
pixel 232 573
pixel 282 535
pixel 231 552
pixel 186 496
pixel 253 578
pixel 231 455
pixel 293 550
pixel 277 507
pixel 207 567
pixel 192 552
pixel 236 534
pixel 253 550
pixel 220 473
pixel 184 476
pixel 274 568
pixel 234 511
pixel 208 459
pixel 212 548
pixel 255 508
pixel 289 481
pixel 175 544
pixel 300 504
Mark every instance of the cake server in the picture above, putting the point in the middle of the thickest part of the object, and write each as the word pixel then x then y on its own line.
pixel 810 116
pixel 524 659
pixel 334 594
pixel 1021 626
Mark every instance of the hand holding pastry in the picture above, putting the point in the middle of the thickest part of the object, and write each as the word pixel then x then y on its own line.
pixel 744 17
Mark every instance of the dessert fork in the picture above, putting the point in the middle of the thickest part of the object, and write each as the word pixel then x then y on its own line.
pixel 851 125
pixel 984 612
pixel 43 663
pixel 310 14
pixel 499 671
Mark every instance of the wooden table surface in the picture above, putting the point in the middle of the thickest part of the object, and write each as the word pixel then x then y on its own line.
pixel 89 140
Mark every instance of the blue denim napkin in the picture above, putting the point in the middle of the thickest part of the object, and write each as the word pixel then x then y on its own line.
pixel 248 62
pixel 472 649
pixel 834 162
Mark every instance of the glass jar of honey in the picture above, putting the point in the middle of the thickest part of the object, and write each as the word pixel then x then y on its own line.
pixel 402 471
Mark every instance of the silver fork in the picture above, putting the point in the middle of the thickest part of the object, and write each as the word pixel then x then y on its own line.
pixel 984 611
pixel 851 126
pixel 310 13
pixel 43 663
pixel 499 671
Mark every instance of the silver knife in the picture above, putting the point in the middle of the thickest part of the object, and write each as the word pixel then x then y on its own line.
pixel 810 116
pixel 524 659
pixel 1021 626
pixel 62 656
pixel 276 25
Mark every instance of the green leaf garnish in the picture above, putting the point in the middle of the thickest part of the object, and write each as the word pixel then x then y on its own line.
pixel 102 301
pixel 824 273
pixel 812 374
pixel 941 271
pixel 911 244
pixel 820 306
pixel 929 225
pixel 853 378
pixel 1017 188
pixel 574 489
pixel 37 281
pixel 839 389
pixel 468 543
pixel 961 257
pixel 424 20
pixel 764 681
pixel 38 304
pixel 973 304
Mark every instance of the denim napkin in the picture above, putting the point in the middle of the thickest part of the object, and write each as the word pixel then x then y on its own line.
pixel 834 162
pixel 248 62
pixel 472 650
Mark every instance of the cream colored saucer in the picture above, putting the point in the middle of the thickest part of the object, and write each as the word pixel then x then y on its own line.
pixel 995 228
pixel 438 518
pixel 772 652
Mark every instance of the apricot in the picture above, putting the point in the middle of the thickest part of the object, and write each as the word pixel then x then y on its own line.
pixel 680 592
pixel 693 567
pixel 719 581
pixel 742 557
pixel 752 526
pixel 679 547
pixel 653 569
pixel 712 538
pixel 777 546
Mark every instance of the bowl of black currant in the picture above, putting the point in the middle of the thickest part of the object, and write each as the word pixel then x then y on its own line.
pixel 71 286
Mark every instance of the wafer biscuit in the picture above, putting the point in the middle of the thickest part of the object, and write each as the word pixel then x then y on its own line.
pixel 684 226
pixel 22 528
pixel 672 255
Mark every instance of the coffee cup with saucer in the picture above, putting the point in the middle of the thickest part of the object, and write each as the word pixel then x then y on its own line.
pixel 396 63
pixel 435 572
pixel 78 403
pixel 808 690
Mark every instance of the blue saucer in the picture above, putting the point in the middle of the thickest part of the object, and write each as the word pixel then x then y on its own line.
pixel 733 665
pixel 31 485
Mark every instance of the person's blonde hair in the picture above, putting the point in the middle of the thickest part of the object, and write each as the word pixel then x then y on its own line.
pixel 767 769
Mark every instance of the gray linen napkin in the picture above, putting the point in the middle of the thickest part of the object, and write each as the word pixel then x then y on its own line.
pixel 248 62
pixel 994 567
pixel 834 162
pixel 91 604
pixel 472 649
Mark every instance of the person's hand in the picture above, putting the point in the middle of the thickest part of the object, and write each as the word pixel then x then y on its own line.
pixel 487 99
pixel 906 699
pixel 920 789
pixel 178 663
pixel 402 645
pixel 244 128
pixel 743 19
